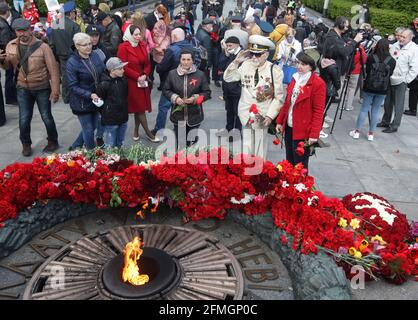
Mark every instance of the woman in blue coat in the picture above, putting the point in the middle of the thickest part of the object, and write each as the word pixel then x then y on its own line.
pixel 84 69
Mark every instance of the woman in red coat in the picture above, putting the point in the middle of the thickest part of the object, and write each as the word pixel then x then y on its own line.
pixel 134 51
pixel 300 119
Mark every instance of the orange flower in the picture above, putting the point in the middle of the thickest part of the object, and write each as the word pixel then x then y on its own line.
pixel 78 186
pixel 70 163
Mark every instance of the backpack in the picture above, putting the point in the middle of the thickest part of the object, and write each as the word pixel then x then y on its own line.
pixel 378 78
pixel 200 51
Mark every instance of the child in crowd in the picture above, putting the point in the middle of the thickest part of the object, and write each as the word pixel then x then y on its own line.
pixel 113 90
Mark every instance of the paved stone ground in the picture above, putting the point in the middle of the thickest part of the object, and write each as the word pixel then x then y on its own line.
pixel 388 166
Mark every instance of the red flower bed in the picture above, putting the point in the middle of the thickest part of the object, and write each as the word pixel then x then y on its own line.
pixel 363 229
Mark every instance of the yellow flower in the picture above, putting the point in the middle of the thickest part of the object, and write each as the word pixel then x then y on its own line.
pixel 78 186
pixel 50 159
pixel 364 244
pixel 379 239
pixel 70 163
pixel 342 223
pixel 355 223
pixel 352 251
pixel 358 255
pixel 279 167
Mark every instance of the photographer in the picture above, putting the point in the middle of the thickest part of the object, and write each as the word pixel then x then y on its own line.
pixel 336 54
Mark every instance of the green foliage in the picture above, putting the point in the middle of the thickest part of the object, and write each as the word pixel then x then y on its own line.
pixel 385 15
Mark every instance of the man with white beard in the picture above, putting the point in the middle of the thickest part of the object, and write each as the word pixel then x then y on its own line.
pixel 262 86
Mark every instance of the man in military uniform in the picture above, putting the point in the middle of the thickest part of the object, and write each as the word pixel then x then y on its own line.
pixel 261 83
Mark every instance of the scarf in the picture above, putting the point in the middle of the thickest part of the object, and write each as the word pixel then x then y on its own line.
pixel 127 36
pixel 182 72
pixel 300 81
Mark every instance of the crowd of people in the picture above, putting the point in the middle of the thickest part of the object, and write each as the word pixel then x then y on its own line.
pixel 279 70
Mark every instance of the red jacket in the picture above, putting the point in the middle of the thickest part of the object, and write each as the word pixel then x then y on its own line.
pixel 308 110
pixel 139 99
pixel 358 62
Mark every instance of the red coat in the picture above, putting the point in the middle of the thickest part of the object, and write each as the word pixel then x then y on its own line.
pixel 308 110
pixel 139 99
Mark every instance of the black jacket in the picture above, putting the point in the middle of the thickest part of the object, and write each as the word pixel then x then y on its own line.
pixel 62 39
pixel 151 20
pixel 206 42
pixel 111 38
pixel 230 89
pixel 6 33
pixel 171 58
pixel 187 86
pixel 336 48
pixel 114 92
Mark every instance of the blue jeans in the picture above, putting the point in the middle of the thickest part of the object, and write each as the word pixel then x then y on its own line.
pixel 88 123
pixel 115 135
pixel 79 142
pixel 26 100
pixel 164 106
pixel 18 5
pixel 375 101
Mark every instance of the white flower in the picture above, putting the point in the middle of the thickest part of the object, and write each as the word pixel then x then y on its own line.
pixel 285 184
pixel 381 206
pixel 300 187
pixel 247 199
pixel 310 200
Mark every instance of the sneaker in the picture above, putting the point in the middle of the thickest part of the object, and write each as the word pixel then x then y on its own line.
pixel 354 134
pixel 370 137
pixel 26 150
pixel 328 119
pixel 349 108
pixel 51 146
pixel 323 135
pixel 155 139
pixel 325 125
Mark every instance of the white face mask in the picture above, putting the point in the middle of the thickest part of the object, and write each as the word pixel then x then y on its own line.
pixel 233 51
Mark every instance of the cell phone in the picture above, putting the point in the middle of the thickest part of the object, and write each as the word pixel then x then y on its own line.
pixel 145 85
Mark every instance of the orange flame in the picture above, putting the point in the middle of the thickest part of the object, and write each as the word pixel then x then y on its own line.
pixel 130 272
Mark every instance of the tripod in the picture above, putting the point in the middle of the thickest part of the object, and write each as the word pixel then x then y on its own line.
pixel 341 103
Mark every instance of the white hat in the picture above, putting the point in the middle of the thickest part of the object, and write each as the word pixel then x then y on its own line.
pixel 257 43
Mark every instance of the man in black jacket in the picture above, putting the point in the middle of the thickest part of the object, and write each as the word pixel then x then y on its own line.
pixel 336 48
pixel 112 35
pixel 337 54
pixel 203 35
pixel 61 42
pixel 231 90
pixel 7 34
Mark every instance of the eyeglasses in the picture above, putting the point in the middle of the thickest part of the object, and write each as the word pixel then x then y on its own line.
pixel 85 44
pixel 256 54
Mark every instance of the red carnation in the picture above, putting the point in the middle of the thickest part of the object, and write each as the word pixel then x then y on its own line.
pixel 253 109
pixel 199 100
pixel 300 150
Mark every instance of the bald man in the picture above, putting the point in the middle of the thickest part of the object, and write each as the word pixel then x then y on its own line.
pixel 170 62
